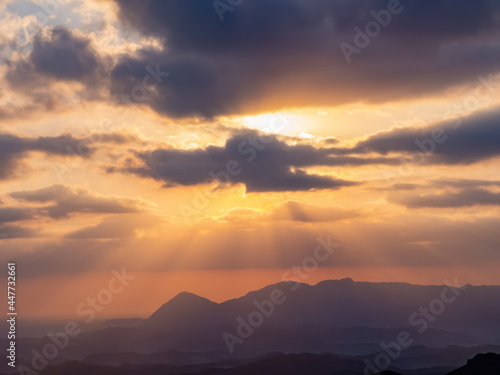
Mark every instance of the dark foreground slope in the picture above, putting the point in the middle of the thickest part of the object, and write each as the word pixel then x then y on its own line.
pixel 482 364
pixel 291 364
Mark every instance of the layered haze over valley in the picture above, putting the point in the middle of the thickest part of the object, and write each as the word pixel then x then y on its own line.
pixel 250 187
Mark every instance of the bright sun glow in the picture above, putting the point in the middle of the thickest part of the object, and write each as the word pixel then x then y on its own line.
pixel 278 123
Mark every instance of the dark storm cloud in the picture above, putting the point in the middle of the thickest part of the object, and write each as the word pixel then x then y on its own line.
pixel 464 198
pixel 270 53
pixel 191 25
pixel 260 162
pixel 474 139
pixel 59 54
pixel 66 200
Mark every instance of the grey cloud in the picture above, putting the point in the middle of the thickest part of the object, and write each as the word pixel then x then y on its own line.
pixel 117 138
pixel 464 183
pixel 331 141
pixel 260 162
pixel 272 53
pixel 68 200
pixel 58 54
pixel 8 232
pixel 262 24
pixel 459 183
pixel 14 148
pixel 13 214
pixel 474 139
pixel 464 198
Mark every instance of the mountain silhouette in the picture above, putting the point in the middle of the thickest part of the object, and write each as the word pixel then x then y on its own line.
pixel 184 309
pixel 481 364
pixel 337 316
pixel 343 303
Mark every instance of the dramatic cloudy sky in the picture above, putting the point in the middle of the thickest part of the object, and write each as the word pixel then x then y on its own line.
pixel 206 145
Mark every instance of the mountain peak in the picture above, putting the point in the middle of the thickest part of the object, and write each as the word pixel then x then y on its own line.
pixel 188 297
pixel 186 300
pixel 182 305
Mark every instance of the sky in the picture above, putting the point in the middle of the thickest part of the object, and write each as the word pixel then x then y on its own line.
pixel 209 146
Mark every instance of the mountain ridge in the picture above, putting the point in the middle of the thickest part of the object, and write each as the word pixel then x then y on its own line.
pixel 345 281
